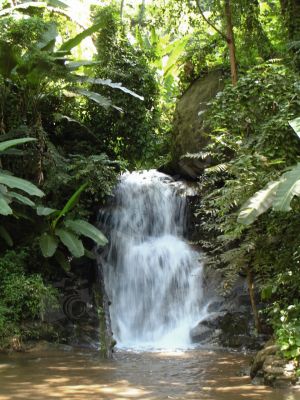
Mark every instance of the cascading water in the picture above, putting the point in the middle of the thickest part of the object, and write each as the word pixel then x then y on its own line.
pixel 152 276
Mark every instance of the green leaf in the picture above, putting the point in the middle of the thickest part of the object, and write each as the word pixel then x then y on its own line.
pixel 4 206
pixel 73 65
pixel 22 199
pixel 89 254
pixel 82 227
pixel 48 38
pixel 6 236
pixel 62 260
pixel 75 41
pixel 176 50
pixel 295 124
pixel 45 211
pixel 48 244
pixel 25 6
pixel 97 98
pixel 288 188
pixel 70 204
pixel 14 142
pixel 258 204
pixel 22 184
pixel 108 82
pixel 71 241
pixel 58 3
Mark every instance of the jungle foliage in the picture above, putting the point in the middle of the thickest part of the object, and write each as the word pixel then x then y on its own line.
pixel 82 97
pixel 255 146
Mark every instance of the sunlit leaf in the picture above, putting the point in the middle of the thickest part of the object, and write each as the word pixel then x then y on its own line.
pixel 258 204
pixel 295 124
pixel 75 41
pixel 288 188
pixel 108 82
pixel 98 98
pixel 70 204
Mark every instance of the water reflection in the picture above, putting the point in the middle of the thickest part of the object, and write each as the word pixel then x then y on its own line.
pixel 196 374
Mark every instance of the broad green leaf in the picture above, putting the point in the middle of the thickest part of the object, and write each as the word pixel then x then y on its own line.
pixel 6 236
pixel 36 4
pixel 258 204
pixel 288 188
pixel 176 51
pixel 22 184
pixel 71 241
pixel 58 3
pixel 295 124
pixel 48 38
pixel 70 204
pixel 48 244
pixel 75 41
pixel 4 206
pixel 74 65
pixel 108 82
pixel 14 142
pixel 97 98
pixel 89 254
pixel 22 199
pixel 45 211
pixel 82 227
pixel 62 260
pixel 3 190
pixel 154 36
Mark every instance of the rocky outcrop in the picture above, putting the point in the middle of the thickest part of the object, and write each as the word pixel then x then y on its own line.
pixel 189 134
pixel 82 318
pixel 270 368
pixel 228 321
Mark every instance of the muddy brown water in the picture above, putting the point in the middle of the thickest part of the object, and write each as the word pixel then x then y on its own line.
pixel 194 374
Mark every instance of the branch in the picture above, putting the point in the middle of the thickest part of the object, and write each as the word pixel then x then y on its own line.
pixel 210 23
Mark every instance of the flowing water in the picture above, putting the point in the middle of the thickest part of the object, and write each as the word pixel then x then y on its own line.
pixel 152 276
pixel 154 281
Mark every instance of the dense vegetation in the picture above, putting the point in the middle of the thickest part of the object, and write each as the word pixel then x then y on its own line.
pixel 78 105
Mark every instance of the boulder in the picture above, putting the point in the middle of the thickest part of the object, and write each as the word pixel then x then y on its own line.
pixel 270 368
pixel 189 134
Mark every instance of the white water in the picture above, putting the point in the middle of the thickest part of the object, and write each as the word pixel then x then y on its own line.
pixel 152 276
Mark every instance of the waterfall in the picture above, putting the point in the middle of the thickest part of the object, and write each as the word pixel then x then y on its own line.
pixel 153 278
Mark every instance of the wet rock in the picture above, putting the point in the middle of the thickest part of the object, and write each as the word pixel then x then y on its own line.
pixel 200 333
pixel 270 368
pixel 230 317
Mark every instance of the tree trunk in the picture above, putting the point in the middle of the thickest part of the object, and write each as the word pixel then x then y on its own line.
pixel 252 299
pixel 230 42
pixel 122 8
pixel 229 37
pixel 142 12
